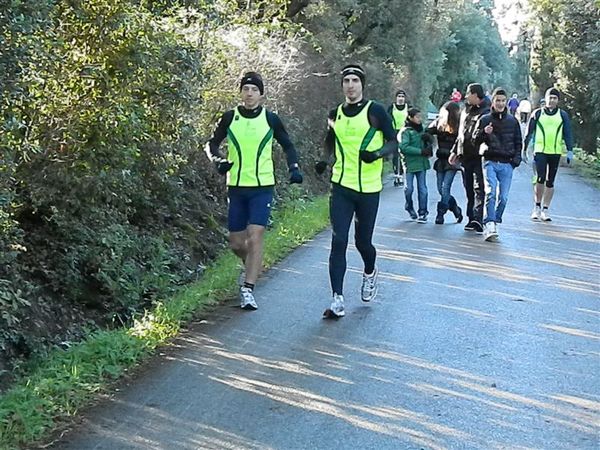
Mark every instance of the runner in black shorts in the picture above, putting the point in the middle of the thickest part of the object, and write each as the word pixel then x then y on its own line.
pixel 250 130
pixel 550 128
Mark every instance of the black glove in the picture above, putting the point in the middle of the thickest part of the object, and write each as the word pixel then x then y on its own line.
pixel 295 176
pixel 516 161
pixel 320 167
pixel 427 151
pixel 224 167
pixel 427 139
pixel 369 157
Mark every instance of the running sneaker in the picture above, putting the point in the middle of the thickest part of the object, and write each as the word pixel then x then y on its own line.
pixel 536 214
pixel 545 215
pixel 337 305
pixel 474 225
pixel 369 287
pixel 247 299
pixel 422 218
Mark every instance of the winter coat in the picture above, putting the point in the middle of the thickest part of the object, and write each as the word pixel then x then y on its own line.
pixel 445 143
pixel 505 143
pixel 466 147
pixel 411 145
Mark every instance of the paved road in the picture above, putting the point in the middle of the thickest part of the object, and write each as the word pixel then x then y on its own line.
pixel 469 345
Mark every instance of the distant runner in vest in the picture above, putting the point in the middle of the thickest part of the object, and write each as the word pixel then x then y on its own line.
pixel 360 134
pixel 250 130
pixel 550 128
pixel 399 112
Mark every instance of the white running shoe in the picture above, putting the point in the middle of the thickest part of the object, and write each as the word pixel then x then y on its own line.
pixel 247 299
pixel 536 214
pixel 337 305
pixel 369 287
pixel 545 216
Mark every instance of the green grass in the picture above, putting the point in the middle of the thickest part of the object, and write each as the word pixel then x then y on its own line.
pixel 588 166
pixel 70 379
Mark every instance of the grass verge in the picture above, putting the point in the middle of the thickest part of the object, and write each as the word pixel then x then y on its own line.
pixel 588 166
pixel 70 379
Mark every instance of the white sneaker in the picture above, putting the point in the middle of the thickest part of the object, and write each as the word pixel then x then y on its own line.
pixel 369 287
pixel 536 214
pixel 247 299
pixel 337 305
pixel 545 216
pixel 489 232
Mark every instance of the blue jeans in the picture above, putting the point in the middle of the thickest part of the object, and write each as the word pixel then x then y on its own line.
pixel 497 179
pixel 444 185
pixel 421 188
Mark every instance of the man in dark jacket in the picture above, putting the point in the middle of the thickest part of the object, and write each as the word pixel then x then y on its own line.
pixel 501 147
pixel 466 150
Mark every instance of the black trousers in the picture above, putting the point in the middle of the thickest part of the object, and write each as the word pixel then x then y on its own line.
pixel 344 205
pixel 474 188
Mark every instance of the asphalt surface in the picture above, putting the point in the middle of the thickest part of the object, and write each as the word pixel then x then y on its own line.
pixel 469 345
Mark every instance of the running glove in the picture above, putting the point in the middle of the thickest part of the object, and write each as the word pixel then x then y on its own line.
pixel 369 157
pixel 224 166
pixel 320 167
pixel 570 156
pixel 295 176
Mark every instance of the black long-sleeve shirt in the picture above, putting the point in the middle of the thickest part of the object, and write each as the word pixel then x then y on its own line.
pixel 279 133
pixel 378 119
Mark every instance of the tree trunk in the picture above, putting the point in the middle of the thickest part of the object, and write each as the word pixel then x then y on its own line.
pixel 589 137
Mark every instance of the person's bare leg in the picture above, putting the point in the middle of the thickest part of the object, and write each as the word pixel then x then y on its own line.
pixel 538 192
pixel 548 194
pixel 254 254
pixel 238 244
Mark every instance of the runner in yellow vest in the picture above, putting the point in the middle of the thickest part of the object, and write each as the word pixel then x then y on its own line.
pixel 360 134
pixel 399 112
pixel 550 127
pixel 250 129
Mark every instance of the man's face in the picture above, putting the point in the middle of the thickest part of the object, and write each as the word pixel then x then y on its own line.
pixel 551 101
pixel 352 87
pixel 250 95
pixel 400 99
pixel 472 99
pixel 500 103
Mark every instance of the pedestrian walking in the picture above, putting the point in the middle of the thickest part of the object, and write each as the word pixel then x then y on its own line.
pixel 513 104
pixel 250 129
pixel 501 148
pixel 445 129
pixel 359 135
pixel 550 127
pixel 416 148
pixel 456 96
pixel 466 151
pixel 399 111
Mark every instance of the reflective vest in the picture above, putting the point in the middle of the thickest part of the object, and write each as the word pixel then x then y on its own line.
pixel 250 148
pixel 549 133
pixel 399 117
pixel 353 134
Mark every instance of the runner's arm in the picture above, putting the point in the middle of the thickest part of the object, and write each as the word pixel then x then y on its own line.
pixel 381 120
pixel 212 146
pixel 567 131
pixel 281 136
pixel 329 147
pixel 531 128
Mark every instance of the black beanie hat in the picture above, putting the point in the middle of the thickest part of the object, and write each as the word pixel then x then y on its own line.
pixel 552 91
pixel 354 69
pixel 400 91
pixel 499 91
pixel 477 89
pixel 255 79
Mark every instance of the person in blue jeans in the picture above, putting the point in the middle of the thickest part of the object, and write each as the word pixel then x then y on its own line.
pixel 416 147
pixel 445 128
pixel 501 144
